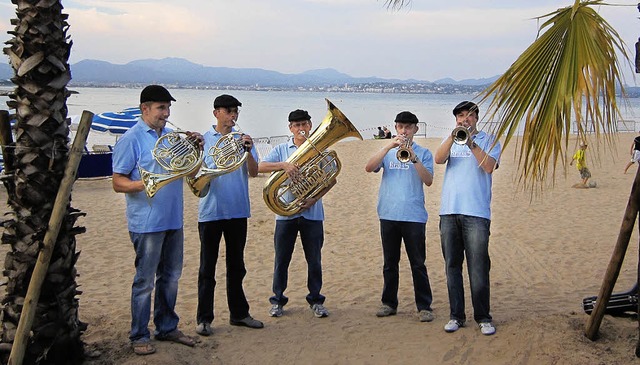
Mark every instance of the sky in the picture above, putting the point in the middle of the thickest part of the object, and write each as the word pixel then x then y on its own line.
pixel 427 40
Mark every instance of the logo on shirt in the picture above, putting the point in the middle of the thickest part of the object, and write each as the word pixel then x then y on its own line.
pixel 461 153
pixel 397 165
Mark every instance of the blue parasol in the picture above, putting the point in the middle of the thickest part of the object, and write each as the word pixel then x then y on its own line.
pixel 115 122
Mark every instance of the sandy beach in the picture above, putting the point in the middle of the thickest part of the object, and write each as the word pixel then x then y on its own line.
pixel 548 252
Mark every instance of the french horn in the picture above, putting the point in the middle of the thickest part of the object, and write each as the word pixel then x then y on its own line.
pixel 228 154
pixel 178 155
pixel 318 167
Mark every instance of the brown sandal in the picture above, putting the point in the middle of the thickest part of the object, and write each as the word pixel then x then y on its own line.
pixel 143 348
pixel 178 337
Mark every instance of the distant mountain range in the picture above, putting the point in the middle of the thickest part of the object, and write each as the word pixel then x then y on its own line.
pixel 181 72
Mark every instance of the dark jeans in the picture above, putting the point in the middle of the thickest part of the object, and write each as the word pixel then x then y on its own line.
pixel 235 237
pixel 312 237
pixel 466 235
pixel 413 234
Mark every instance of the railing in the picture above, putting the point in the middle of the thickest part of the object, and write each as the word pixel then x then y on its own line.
pixel 621 125
pixel 264 145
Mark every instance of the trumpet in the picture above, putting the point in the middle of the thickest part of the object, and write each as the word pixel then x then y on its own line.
pixel 179 156
pixel 460 135
pixel 404 154
pixel 228 154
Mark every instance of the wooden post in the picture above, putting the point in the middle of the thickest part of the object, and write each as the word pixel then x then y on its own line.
pixel 42 265
pixel 613 270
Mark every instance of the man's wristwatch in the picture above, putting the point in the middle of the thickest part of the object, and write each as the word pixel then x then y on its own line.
pixel 414 161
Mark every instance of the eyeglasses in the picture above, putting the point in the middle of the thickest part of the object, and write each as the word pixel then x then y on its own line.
pixel 298 124
pixel 231 110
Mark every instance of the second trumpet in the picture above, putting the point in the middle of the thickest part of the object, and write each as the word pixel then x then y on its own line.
pixel 460 135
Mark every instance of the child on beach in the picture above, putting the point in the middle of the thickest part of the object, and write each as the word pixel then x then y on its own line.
pixel 581 165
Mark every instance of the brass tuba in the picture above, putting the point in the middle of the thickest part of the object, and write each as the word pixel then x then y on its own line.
pixel 178 155
pixel 318 167
pixel 228 154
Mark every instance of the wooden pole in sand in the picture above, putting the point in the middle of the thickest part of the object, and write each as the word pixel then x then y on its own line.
pixel 50 237
pixel 613 270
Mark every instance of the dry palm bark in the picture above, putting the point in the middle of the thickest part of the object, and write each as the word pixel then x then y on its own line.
pixel 39 53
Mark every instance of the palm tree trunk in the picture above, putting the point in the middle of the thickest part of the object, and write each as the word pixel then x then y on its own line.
pixel 39 53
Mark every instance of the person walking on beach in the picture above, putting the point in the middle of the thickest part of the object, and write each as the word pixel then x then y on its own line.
pixel 309 222
pixel 581 165
pixel 224 211
pixel 635 153
pixel 403 216
pixel 155 224
pixel 465 217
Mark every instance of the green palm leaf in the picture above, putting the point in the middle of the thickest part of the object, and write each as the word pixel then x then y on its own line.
pixel 569 73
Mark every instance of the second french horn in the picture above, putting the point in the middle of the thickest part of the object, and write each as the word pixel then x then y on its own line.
pixel 228 154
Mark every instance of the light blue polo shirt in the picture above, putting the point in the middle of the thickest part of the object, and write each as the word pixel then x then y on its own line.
pixel 144 215
pixel 228 196
pixel 401 195
pixel 280 153
pixel 467 187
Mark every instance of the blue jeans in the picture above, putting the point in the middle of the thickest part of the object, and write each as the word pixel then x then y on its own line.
pixel 413 234
pixel 463 235
pixel 235 238
pixel 158 258
pixel 312 237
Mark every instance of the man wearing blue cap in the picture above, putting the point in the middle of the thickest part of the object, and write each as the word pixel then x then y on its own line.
pixel 155 224
pixel 465 216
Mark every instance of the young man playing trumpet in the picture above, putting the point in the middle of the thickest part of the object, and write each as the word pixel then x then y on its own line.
pixel 224 211
pixel 406 168
pixel 465 215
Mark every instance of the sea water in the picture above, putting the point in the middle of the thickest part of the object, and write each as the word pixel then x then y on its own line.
pixel 264 113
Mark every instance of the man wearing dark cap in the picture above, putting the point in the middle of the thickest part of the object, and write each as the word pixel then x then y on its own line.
pixel 224 211
pixel 155 224
pixel 402 214
pixel 309 222
pixel 465 216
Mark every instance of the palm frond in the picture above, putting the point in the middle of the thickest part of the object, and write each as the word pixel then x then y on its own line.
pixel 569 73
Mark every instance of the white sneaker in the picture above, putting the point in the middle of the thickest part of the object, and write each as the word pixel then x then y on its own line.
pixel 276 310
pixel 319 310
pixel 487 328
pixel 453 325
